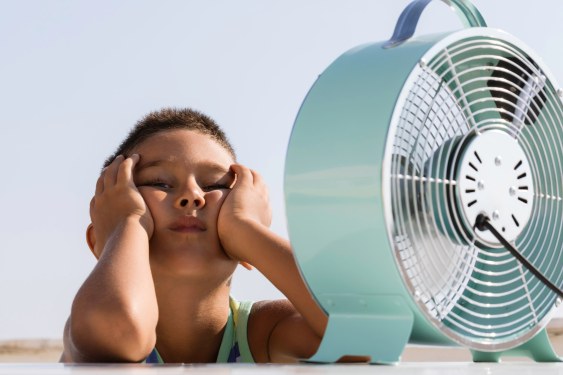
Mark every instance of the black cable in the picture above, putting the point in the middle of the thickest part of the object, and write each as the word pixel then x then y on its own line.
pixel 482 222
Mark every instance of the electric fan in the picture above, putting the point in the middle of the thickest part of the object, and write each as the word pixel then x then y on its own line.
pixel 400 154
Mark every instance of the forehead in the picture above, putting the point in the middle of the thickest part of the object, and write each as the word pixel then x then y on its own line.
pixel 182 145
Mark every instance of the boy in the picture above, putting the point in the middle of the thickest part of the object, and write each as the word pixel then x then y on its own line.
pixel 172 216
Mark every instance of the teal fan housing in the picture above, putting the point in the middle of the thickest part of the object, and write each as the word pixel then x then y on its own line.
pixel 396 149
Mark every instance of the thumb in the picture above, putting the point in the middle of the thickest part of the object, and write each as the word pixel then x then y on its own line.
pixel 246 265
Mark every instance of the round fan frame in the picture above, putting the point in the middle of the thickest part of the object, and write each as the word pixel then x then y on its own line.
pixel 338 189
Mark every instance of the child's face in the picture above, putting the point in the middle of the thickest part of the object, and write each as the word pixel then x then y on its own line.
pixel 184 177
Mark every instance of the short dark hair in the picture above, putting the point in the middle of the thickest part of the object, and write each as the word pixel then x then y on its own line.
pixel 171 119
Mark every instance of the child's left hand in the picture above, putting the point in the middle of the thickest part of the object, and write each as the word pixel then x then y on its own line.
pixel 246 205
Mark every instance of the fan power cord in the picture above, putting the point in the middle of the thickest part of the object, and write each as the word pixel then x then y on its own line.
pixel 483 223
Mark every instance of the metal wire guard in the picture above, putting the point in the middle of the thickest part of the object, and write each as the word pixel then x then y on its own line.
pixel 474 291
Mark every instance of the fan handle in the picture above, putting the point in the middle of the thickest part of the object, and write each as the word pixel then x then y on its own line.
pixel 408 20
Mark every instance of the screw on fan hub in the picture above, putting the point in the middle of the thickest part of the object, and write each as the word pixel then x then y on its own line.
pixel 495 179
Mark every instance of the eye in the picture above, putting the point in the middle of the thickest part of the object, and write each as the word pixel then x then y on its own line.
pixel 159 184
pixel 216 187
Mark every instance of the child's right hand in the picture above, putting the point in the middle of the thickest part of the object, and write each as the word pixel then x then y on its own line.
pixel 117 200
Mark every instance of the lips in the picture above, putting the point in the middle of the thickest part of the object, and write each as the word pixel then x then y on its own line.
pixel 188 224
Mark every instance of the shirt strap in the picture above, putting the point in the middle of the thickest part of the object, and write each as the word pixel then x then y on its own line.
pixel 228 341
pixel 243 312
pixel 154 357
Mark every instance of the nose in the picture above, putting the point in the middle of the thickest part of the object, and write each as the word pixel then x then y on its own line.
pixel 192 198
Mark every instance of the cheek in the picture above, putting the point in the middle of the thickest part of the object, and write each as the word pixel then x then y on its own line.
pixel 216 198
pixel 155 201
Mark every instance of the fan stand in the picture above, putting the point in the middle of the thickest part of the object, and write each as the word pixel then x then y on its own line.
pixel 539 349
pixel 385 326
pixel 378 327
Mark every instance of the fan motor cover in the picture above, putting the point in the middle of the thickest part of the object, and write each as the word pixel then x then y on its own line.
pixel 392 155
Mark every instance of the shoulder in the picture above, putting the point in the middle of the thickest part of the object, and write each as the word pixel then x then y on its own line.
pixel 278 333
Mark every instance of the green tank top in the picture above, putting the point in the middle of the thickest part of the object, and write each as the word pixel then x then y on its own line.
pixel 234 346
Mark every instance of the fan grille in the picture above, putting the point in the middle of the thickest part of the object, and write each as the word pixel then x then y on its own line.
pixel 476 292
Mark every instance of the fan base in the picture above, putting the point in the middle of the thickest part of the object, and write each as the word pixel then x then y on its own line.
pixel 377 327
pixel 539 349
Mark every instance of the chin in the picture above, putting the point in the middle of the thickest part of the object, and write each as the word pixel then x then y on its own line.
pixel 194 268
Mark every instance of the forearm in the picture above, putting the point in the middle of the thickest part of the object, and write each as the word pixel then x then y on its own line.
pixel 114 314
pixel 273 257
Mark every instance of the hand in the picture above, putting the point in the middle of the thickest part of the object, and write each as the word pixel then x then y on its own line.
pixel 117 199
pixel 246 205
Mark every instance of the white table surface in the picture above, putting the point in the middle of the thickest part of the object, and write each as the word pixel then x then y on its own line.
pixel 427 368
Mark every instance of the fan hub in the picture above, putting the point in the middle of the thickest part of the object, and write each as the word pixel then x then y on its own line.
pixel 495 179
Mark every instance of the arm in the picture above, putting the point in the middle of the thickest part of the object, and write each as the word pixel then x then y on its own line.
pixel 295 327
pixel 114 313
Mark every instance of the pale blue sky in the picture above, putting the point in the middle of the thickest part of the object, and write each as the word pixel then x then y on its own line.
pixel 75 76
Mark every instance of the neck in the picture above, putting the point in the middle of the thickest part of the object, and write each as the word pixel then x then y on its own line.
pixel 192 319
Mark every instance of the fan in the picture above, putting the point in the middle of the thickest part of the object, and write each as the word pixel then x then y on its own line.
pixel 401 151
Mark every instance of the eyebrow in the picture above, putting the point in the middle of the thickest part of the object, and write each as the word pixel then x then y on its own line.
pixel 149 164
pixel 208 166
pixel 215 167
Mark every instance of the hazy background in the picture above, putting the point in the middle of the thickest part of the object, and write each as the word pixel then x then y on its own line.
pixel 76 75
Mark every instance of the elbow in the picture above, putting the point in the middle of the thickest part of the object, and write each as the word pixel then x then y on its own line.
pixel 116 335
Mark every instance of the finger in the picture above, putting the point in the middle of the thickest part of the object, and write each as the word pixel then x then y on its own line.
pixel 100 184
pixel 259 183
pixel 243 175
pixel 256 178
pixel 125 171
pixel 110 174
pixel 92 203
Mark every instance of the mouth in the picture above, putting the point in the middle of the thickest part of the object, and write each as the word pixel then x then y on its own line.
pixel 188 224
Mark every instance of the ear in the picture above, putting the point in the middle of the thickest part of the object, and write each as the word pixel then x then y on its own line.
pixel 91 240
pixel 248 266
